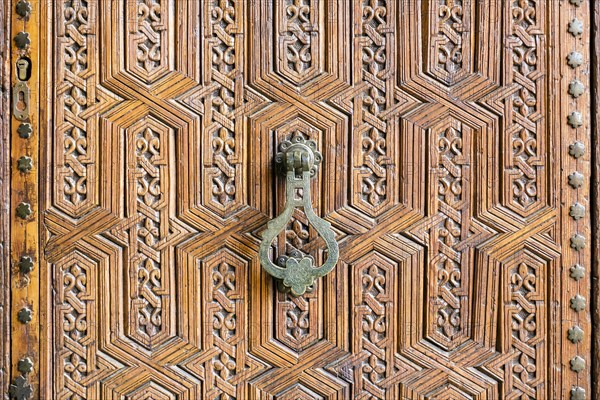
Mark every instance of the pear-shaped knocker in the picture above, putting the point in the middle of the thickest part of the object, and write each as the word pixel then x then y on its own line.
pixel 299 160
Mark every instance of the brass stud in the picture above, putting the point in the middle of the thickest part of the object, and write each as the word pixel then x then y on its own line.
pixel 574 59
pixel 577 149
pixel 577 272
pixel 24 164
pixel 575 120
pixel 577 211
pixel 577 364
pixel 578 303
pixel 25 315
pixel 575 334
pixel 24 210
pixel 24 130
pixel 576 27
pixel 25 365
pixel 25 264
pixel 22 40
pixel 576 88
pixel 576 180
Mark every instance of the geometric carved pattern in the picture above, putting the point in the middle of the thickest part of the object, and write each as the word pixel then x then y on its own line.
pixel 79 100
pixel 149 38
pixel 451 38
pixel 525 142
pixel 164 125
pixel 525 335
pixel 300 42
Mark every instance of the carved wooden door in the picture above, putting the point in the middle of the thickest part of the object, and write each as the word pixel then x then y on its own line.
pixel 456 145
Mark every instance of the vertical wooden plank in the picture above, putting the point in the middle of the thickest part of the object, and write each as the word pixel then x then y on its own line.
pixel 595 195
pixel 24 195
pixel 4 194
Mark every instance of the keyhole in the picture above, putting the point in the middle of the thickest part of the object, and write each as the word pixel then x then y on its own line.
pixel 21 104
pixel 298 194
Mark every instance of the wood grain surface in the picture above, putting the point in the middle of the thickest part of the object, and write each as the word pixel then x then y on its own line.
pixel 457 176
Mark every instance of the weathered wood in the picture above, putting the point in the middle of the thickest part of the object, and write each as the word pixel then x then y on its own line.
pixel 595 196
pixel 4 195
pixel 448 177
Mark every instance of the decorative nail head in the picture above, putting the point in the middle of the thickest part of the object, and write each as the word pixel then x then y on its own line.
pixel 578 303
pixel 577 272
pixel 24 164
pixel 577 149
pixel 24 210
pixel 574 59
pixel 577 364
pixel 575 120
pixel 24 315
pixel 25 365
pixel 575 180
pixel 576 88
pixel 22 40
pixel 576 27
pixel 575 334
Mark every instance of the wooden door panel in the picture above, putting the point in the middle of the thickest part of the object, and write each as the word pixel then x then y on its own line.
pixel 451 178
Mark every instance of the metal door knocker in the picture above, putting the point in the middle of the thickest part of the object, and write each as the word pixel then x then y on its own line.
pixel 299 160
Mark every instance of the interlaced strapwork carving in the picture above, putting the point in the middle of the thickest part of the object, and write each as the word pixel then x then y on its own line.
pixel 149 57
pixel 450 39
pixel 298 39
pixel 526 128
pixel 373 327
pixel 77 102
pixel 224 102
pixel 452 201
pixel 76 341
pixel 450 233
pixel 149 276
pixel 225 335
pixel 524 312
pixel 374 103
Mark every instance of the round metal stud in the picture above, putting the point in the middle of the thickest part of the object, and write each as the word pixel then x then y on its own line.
pixel 577 211
pixel 577 241
pixel 24 210
pixel 575 180
pixel 577 149
pixel 575 120
pixel 577 393
pixel 24 130
pixel 22 40
pixel 25 315
pixel 24 164
pixel 578 303
pixel 576 88
pixel 23 9
pixel 577 364
pixel 577 272
pixel 25 265
pixel 575 334
pixel 576 27
pixel 25 365
pixel 574 59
